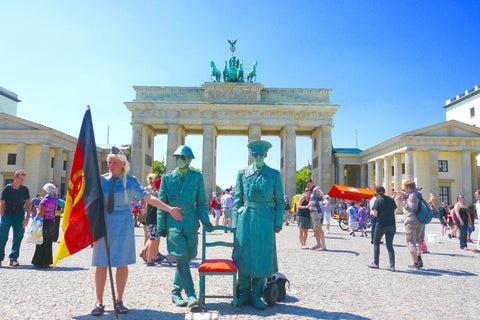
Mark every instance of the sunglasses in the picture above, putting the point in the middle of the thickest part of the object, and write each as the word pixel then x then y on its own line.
pixel 184 158
pixel 258 154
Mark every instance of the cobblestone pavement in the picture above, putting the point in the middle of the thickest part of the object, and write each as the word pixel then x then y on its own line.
pixel 335 284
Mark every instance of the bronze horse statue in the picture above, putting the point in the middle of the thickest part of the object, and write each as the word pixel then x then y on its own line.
pixel 252 74
pixel 215 72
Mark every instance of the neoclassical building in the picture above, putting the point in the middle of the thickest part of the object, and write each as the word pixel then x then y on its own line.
pixel 440 158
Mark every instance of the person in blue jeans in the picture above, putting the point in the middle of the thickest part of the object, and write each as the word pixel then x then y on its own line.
pixel 14 197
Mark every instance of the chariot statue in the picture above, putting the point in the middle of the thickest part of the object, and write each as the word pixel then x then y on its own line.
pixel 233 69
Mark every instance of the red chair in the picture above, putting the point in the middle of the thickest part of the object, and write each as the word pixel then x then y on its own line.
pixel 212 267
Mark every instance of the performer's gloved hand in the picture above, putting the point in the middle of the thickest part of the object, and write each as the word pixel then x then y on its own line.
pixel 277 229
pixel 162 232
pixel 208 226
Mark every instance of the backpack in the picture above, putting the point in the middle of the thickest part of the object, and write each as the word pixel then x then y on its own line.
pixel 424 212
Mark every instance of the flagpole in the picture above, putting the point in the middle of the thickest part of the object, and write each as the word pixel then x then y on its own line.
pixel 109 264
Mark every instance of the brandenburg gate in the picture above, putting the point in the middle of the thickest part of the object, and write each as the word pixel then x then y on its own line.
pixel 233 108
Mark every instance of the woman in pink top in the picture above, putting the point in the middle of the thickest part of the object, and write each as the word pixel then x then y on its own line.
pixel 48 207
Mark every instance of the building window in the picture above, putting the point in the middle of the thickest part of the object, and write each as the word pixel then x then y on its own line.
pixel 12 159
pixel 403 168
pixel 444 194
pixel 64 164
pixel 472 112
pixel 52 162
pixel 442 165
pixel 393 171
pixel 9 181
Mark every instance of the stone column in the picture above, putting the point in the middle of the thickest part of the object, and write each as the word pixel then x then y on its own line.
pixel 387 176
pixel 176 137
pixel 136 154
pixel 474 172
pixel 254 133
pixel 58 167
pixel 317 145
pixel 208 160
pixel 434 180
pixel 325 161
pixel 363 176
pixel 341 175
pixel 409 174
pixel 68 172
pixel 378 172
pixel 397 172
pixel 371 174
pixel 289 160
pixel 467 176
pixel 20 164
pixel 43 168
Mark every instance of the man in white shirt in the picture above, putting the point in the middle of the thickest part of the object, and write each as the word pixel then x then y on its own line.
pixel 227 205
pixel 477 208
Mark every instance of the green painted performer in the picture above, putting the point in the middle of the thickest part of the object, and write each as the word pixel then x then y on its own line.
pixel 184 188
pixel 257 216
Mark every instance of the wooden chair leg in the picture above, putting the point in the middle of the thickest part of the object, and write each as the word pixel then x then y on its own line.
pixel 202 290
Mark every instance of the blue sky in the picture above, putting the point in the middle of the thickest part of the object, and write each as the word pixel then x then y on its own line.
pixel 391 65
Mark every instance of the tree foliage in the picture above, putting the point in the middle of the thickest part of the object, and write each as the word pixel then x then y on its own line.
pixel 302 175
pixel 159 168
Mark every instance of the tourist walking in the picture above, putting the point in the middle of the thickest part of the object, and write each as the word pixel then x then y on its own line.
pixel 352 213
pixel 327 212
pixel 227 205
pixel 477 210
pixel 462 220
pixel 303 218
pixel 218 207
pixel 413 227
pixel 443 217
pixel 384 213
pixel 14 197
pixel 35 203
pixel 362 220
pixel 47 210
pixel 316 219
pixel 118 187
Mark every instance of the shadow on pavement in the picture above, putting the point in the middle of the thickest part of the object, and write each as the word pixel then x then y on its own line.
pixel 135 314
pixel 439 272
pixel 49 269
pixel 283 310
pixel 344 251
pixel 451 255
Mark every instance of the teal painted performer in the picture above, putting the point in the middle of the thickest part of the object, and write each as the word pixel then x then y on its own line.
pixel 184 188
pixel 257 216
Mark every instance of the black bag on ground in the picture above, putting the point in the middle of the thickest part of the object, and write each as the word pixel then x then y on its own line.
pixel 281 282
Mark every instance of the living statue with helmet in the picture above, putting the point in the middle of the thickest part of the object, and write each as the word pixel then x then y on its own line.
pixel 257 216
pixel 183 188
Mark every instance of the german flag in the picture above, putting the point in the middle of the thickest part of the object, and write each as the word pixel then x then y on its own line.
pixel 83 216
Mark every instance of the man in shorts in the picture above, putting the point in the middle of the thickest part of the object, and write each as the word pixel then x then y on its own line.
pixel 316 218
pixel 227 205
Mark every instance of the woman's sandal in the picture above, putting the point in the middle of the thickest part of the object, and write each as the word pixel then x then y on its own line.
pixel 121 308
pixel 99 310
pixel 143 255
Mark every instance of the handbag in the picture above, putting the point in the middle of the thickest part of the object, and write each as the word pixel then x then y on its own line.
pixel 48 228
pixel 142 215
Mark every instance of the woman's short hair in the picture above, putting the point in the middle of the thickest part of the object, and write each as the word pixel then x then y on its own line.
pixel 151 178
pixel 410 183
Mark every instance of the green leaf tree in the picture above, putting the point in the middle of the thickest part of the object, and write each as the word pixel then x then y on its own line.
pixel 302 175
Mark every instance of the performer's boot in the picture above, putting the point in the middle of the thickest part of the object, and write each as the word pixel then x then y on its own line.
pixel 245 289
pixel 187 282
pixel 257 291
pixel 177 291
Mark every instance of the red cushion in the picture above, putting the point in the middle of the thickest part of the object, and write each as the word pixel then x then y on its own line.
pixel 217 265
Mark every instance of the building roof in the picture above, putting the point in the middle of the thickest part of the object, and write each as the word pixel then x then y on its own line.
pixel 9 94
pixel 347 150
pixel 462 97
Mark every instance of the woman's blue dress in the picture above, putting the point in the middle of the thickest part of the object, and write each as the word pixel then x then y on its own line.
pixel 120 229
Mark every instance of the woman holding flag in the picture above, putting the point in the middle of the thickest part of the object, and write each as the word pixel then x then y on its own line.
pixel 118 187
